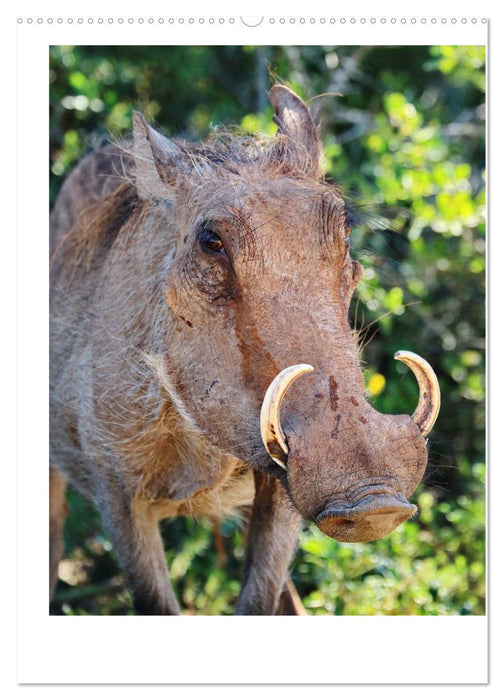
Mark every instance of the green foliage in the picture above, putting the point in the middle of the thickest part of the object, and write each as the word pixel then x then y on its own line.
pixel 406 141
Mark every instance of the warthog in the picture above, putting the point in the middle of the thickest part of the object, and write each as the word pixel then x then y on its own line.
pixel 191 286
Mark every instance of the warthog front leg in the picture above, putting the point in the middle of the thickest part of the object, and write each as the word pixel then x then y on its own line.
pixel 272 539
pixel 290 602
pixel 57 514
pixel 134 530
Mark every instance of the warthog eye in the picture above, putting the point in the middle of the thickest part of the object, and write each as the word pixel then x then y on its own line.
pixel 209 241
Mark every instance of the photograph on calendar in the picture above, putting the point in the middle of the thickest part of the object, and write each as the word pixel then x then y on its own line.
pixel 267 330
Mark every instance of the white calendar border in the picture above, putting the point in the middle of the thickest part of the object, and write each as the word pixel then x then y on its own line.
pixel 402 650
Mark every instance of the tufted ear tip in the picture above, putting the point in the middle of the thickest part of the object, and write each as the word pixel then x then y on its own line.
pixel 293 119
pixel 139 122
pixel 281 94
pixel 137 116
pixel 156 158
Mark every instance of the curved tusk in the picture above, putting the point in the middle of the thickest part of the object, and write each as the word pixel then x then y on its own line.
pixel 429 400
pixel 271 430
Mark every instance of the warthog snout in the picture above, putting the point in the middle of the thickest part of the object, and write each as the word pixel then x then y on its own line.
pixel 348 467
pixel 372 517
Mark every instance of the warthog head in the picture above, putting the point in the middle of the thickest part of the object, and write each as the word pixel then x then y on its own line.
pixel 258 291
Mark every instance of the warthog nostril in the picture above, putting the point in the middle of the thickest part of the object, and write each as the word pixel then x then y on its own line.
pixel 335 521
pixel 372 518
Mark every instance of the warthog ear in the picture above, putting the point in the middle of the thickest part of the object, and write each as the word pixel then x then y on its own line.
pixel 155 159
pixel 294 120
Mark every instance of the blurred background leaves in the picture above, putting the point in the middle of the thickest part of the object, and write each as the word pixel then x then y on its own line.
pixel 404 135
